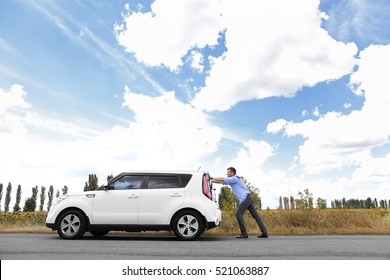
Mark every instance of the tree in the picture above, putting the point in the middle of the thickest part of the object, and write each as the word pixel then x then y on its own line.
pixel 42 198
pixel 92 183
pixel 321 203
pixel 29 205
pixel 227 200
pixel 50 194
pixel 1 194
pixel 344 203
pixel 280 203
pixel 57 193
pixel 18 198
pixel 35 194
pixel 368 203
pixel 65 190
pixel 336 204
pixel 310 202
pixel 7 197
pixel 375 203
pixel 31 202
pixel 286 203
pixel 292 203
pixel 305 200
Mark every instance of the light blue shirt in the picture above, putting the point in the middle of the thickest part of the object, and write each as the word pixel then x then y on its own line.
pixel 239 188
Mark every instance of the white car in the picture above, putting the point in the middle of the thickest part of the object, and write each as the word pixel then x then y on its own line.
pixel 184 202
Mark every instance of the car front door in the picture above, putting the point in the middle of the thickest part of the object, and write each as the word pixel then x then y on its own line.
pixel 119 204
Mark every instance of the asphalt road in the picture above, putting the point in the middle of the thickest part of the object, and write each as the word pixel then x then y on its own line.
pixel 149 247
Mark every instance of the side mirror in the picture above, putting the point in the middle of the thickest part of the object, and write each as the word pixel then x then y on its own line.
pixel 103 187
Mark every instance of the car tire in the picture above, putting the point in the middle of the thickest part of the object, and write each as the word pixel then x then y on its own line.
pixel 99 233
pixel 71 224
pixel 188 225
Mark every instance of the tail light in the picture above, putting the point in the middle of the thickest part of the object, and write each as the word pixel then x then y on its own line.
pixel 207 187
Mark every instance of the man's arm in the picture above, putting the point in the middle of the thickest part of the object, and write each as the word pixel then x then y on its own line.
pixel 217 180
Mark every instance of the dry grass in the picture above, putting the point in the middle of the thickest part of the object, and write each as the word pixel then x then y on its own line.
pixel 23 222
pixel 278 222
pixel 327 221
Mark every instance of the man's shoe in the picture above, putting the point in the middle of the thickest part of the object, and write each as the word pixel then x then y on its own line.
pixel 242 236
pixel 263 236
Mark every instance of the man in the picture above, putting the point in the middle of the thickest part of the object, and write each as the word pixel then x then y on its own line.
pixel 245 199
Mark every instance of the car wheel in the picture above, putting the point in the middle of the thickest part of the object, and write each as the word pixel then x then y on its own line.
pixel 99 232
pixel 71 225
pixel 188 225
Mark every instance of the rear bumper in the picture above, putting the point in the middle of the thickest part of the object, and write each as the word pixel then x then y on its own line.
pixel 51 225
pixel 211 225
pixel 217 220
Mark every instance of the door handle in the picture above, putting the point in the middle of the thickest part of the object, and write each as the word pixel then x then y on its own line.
pixel 175 195
pixel 133 196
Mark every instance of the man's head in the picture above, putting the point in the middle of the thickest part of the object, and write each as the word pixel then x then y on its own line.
pixel 231 171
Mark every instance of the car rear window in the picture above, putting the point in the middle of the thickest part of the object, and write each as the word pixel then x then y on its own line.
pixel 168 181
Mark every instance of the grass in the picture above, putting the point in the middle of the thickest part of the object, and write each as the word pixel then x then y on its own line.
pixel 278 222
pixel 326 221
pixel 23 222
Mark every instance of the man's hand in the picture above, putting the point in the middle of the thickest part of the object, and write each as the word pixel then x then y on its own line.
pixel 217 180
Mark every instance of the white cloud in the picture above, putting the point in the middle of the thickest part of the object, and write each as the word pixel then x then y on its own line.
pixel 197 61
pixel 272 52
pixel 316 111
pixel 347 105
pixel 252 156
pixel 336 141
pixel 374 171
pixel 177 132
pixel 276 126
pixel 14 98
pixel 172 28
pixel 217 161
pixel 165 134
pixel 12 103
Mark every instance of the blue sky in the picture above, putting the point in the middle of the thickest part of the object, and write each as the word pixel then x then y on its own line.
pixel 294 97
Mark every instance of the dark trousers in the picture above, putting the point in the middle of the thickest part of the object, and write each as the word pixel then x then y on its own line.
pixel 247 204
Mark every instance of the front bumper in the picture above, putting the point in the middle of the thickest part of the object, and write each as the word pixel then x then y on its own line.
pixel 51 225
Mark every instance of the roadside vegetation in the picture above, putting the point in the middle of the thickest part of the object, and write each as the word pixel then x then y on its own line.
pixel 278 222
pixel 314 221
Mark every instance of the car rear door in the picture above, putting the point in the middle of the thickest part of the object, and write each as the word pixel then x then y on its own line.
pixel 163 194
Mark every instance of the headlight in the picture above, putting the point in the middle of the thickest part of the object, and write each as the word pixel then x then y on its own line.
pixel 59 199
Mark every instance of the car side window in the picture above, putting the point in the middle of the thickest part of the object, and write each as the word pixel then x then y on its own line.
pixel 164 182
pixel 127 182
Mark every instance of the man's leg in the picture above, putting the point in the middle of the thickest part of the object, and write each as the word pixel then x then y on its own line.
pixel 257 217
pixel 240 214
